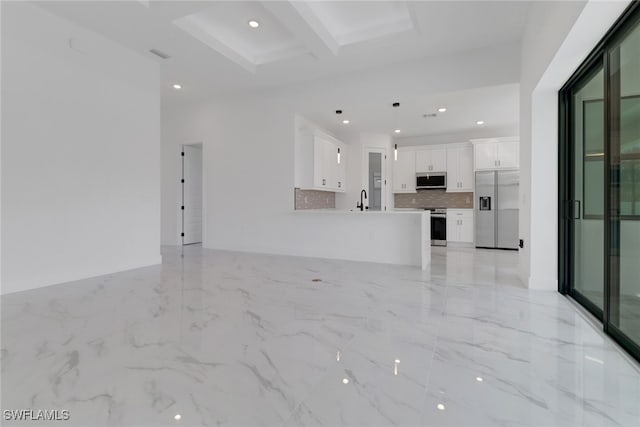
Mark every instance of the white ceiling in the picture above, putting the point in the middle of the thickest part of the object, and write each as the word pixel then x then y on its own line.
pixel 496 106
pixel 214 52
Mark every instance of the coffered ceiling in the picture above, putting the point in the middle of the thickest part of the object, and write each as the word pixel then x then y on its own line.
pixel 214 52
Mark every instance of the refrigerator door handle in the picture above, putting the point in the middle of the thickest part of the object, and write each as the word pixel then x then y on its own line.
pixel 576 212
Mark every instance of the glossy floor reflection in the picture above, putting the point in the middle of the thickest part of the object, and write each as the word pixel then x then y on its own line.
pixel 221 338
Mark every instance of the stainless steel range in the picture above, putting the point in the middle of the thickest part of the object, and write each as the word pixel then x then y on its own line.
pixel 438 226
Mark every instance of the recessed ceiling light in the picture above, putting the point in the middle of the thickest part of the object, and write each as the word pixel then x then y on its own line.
pixel 397 131
pixel 442 109
pixel 480 122
pixel 345 381
pixel 178 417
pixel 177 86
pixel 346 122
pixel 254 24
pixel 440 406
pixel 397 360
pixel 479 379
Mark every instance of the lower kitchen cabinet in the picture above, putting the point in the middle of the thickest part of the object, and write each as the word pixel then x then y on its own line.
pixel 460 225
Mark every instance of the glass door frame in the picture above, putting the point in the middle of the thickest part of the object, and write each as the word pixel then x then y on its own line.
pixel 566 205
pixel 599 56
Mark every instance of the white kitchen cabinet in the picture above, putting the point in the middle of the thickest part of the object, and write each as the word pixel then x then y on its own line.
pixel 460 169
pixel 404 172
pixel 431 160
pixel 319 174
pixel 330 165
pixel 317 166
pixel 508 155
pixel 495 155
pixel 460 225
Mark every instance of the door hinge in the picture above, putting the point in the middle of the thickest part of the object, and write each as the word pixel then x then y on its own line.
pixel 182 207
pixel 385 182
pixel 182 154
pixel 181 234
pixel 182 181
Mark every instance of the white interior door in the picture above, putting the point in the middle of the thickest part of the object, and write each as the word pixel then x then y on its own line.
pixel 192 194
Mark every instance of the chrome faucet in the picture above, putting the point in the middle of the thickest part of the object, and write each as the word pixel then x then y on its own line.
pixel 361 205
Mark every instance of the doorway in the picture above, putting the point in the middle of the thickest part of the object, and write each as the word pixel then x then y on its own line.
pixel 191 204
pixel 599 206
pixel 375 179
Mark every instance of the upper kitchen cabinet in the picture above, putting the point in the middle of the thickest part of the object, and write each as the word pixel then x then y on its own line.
pixel 431 160
pixel 404 171
pixel 320 162
pixel 460 169
pixel 495 154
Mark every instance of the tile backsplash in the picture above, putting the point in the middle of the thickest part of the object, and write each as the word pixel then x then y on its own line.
pixel 434 199
pixel 314 199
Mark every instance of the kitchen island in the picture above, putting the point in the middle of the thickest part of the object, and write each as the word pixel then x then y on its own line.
pixel 391 237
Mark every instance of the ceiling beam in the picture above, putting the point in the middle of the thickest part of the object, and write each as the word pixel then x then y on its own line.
pixel 300 20
pixel 193 26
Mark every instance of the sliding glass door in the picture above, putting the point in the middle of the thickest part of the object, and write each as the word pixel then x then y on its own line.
pixel 587 202
pixel 599 218
pixel 624 201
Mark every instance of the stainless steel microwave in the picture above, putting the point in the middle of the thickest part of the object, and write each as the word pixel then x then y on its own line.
pixel 431 180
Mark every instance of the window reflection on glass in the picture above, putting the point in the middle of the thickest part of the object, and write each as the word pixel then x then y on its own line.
pixel 593 140
pixel 588 224
pixel 625 299
pixel 630 155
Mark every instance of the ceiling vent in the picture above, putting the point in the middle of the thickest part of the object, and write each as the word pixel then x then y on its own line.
pixel 159 53
pixel 426 115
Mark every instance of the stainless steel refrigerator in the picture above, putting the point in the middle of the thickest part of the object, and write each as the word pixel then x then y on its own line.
pixel 497 209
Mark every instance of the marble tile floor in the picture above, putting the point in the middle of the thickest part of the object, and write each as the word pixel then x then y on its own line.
pixel 223 338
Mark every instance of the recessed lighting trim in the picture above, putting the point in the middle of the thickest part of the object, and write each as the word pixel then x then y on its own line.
pixel 345 381
pixel 440 406
pixel 397 131
pixel 177 86
pixel 178 417
pixel 479 379
pixel 346 122
pixel 480 122
pixel 442 109
pixel 253 23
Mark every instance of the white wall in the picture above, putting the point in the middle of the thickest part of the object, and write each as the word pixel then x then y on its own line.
pixel 80 152
pixel 507 131
pixel 249 149
pixel 558 37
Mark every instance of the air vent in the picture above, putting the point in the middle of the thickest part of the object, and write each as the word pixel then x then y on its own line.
pixel 429 115
pixel 159 53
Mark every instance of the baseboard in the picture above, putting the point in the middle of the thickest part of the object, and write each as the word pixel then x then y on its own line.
pixel 460 245
pixel 29 285
pixel 542 283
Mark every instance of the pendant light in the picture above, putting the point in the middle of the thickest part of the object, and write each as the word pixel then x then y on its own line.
pixel 344 122
pixel 396 105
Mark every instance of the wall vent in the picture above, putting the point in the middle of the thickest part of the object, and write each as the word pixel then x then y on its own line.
pixel 159 53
